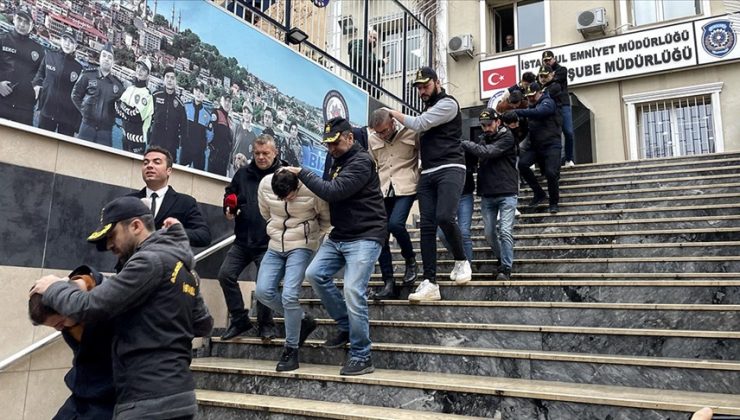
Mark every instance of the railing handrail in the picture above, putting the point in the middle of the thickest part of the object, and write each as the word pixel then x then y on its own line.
pixel 51 338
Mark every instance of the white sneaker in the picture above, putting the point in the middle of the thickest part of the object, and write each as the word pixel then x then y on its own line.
pixel 531 167
pixel 517 213
pixel 426 291
pixel 462 272
pixel 569 163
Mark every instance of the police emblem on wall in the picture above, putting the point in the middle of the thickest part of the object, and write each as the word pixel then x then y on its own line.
pixel 320 3
pixel 718 38
pixel 73 76
pixel 335 106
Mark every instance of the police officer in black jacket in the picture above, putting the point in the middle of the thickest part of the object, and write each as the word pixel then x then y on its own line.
pixel 20 57
pixel 562 99
pixel 53 84
pixel 169 123
pixel 94 95
pixel 223 138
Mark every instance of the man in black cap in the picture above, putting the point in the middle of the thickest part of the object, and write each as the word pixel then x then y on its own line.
pixel 94 95
pixel 20 58
pixel 136 108
pixel 358 216
pixel 199 121
pixel 169 123
pixel 544 146
pixel 154 304
pixel 53 83
pixel 442 179
pixel 562 100
pixel 498 186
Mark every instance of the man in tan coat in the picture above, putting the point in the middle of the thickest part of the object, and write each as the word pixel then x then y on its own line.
pixel 296 219
pixel 395 150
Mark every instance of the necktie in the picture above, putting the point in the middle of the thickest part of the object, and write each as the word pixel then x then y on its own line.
pixel 154 203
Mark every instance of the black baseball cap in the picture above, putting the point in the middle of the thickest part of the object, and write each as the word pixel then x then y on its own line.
pixel 121 208
pixel 424 74
pixel 532 89
pixel 334 128
pixel 547 55
pixel 488 115
pixel 545 69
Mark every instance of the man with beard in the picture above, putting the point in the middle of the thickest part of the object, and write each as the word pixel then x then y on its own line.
pixel 53 84
pixel 136 108
pixel 222 141
pixel 20 57
pixel 199 120
pixel 155 307
pixel 169 124
pixel 441 181
pixel 94 96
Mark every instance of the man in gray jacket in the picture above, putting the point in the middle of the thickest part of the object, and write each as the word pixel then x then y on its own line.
pixel 155 307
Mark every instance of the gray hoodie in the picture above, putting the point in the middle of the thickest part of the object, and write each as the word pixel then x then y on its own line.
pixel 156 308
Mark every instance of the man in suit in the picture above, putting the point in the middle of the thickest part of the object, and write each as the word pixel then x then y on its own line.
pixel 168 203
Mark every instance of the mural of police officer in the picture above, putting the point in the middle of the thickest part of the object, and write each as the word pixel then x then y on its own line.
pixel 135 108
pixel 20 57
pixel 169 123
pixel 199 121
pixel 94 96
pixel 222 142
pixel 53 83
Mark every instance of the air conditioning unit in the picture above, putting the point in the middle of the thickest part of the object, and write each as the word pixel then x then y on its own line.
pixel 460 45
pixel 592 22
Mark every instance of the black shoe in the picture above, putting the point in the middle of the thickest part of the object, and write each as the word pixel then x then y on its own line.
pixel 267 332
pixel 308 325
pixel 409 277
pixel 504 273
pixel 337 341
pixel 536 200
pixel 288 360
pixel 553 208
pixel 357 367
pixel 388 291
pixel 237 327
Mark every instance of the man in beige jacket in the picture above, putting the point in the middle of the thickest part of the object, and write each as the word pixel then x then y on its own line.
pixel 296 219
pixel 395 150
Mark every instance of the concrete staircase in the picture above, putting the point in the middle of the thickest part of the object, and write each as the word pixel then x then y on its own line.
pixel 625 305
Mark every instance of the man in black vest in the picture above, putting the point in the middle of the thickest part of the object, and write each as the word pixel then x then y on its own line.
pixel 169 127
pixel 442 179
pixel 53 83
pixel 156 169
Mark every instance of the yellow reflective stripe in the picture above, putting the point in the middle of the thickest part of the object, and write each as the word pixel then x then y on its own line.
pixel 178 266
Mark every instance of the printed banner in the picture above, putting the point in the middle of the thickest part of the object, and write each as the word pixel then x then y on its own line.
pixel 184 75
pixel 668 48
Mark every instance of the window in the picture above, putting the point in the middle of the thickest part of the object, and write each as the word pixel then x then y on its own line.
pixel 645 12
pixel 677 122
pixel 525 20
pixel 392 47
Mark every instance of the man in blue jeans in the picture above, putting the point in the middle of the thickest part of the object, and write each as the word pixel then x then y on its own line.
pixel 498 186
pixel 296 219
pixel 359 220
pixel 562 100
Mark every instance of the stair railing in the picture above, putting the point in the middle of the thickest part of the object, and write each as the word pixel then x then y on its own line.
pixel 51 338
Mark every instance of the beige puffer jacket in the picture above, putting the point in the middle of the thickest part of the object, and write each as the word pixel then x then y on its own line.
pixel 298 223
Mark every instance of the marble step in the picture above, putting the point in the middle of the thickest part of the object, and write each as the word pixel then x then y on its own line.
pixel 525 276
pixel 222 405
pixel 482 396
pixel 659 342
pixel 616 291
pixel 648 372
pixel 597 195
pixel 652 162
pixel 585 314
pixel 660 264
pixel 661 223
pixel 681 249
pixel 673 211
pixel 697 181
pixel 633 203
pixel 705 167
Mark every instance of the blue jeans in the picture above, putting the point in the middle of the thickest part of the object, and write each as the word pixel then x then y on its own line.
pixel 397 209
pixel 502 244
pixel 566 112
pixel 102 136
pixel 464 220
pixel 349 311
pixel 290 267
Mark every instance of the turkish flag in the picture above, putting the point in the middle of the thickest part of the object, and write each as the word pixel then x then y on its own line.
pixel 499 78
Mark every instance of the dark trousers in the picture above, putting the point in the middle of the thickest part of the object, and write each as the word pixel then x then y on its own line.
pixel 397 209
pixel 85 409
pixel 51 124
pixel 548 161
pixel 24 116
pixel 190 155
pixel 102 136
pixel 439 194
pixel 237 259
pixel 170 144
pixel 218 161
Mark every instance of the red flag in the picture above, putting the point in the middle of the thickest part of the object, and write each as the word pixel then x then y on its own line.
pixel 499 78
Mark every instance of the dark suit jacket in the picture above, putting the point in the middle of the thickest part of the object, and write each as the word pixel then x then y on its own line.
pixel 185 209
